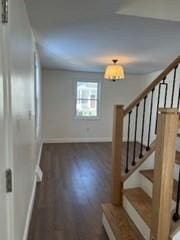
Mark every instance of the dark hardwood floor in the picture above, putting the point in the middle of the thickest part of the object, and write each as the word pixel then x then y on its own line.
pixel 77 180
pixel 68 201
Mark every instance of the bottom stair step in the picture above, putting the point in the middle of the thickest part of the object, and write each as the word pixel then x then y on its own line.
pixel 121 227
pixel 141 202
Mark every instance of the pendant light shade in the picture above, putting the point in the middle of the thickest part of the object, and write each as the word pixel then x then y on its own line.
pixel 114 71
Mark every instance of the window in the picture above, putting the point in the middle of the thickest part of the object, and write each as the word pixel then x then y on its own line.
pixel 87 99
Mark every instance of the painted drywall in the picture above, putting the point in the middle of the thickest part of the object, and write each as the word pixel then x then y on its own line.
pixel 3 159
pixel 24 143
pixel 58 103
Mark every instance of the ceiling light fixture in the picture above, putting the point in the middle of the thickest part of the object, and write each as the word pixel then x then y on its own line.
pixel 114 71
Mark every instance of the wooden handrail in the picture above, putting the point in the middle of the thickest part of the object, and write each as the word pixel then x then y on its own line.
pixel 152 85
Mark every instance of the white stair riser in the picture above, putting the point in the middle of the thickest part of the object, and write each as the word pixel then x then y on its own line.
pixel 176 235
pixel 107 228
pixel 147 186
pixel 134 180
pixel 176 172
pixel 136 218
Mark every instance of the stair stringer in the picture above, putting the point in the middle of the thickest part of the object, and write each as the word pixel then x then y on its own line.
pixel 137 219
pixel 139 162
pixel 134 179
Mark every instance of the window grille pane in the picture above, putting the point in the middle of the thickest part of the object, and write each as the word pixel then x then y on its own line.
pixel 87 102
pixel 86 108
pixel 86 89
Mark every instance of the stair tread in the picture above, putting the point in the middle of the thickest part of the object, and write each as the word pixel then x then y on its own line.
pixel 121 225
pixel 149 174
pixel 143 205
pixel 141 202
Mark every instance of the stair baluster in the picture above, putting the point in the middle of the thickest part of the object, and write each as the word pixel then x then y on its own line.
pixel 166 91
pixel 142 131
pixel 150 120
pixel 176 216
pixel 135 135
pixel 158 101
pixel 173 87
pixel 178 103
pixel 128 141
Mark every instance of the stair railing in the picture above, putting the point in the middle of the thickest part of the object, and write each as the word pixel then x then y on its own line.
pixel 163 173
pixel 137 126
pixel 145 109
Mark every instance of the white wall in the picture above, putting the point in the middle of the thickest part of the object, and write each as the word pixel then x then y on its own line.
pixel 58 91
pixel 3 195
pixel 25 146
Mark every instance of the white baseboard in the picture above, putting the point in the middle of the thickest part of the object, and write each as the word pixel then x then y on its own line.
pixel 107 228
pixel 39 155
pixel 32 198
pixel 39 174
pixel 30 209
pixel 75 140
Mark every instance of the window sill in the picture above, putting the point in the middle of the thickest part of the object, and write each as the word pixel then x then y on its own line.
pixel 86 118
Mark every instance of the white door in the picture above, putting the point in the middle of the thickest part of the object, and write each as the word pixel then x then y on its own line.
pixel 3 159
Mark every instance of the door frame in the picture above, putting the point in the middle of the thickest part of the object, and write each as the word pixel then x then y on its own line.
pixel 7 125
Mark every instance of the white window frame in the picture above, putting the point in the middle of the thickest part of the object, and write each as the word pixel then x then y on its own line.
pixel 98 101
pixel 36 99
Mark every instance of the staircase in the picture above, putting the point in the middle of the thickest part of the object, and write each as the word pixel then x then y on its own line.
pixel 146 164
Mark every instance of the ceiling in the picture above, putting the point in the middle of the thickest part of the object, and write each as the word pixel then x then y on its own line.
pixel 85 35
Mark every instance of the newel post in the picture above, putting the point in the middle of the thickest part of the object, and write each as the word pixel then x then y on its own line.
pixel 163 173
pixel 117 146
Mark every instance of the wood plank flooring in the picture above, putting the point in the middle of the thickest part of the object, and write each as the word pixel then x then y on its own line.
pixel 77 180
pixel 68 201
